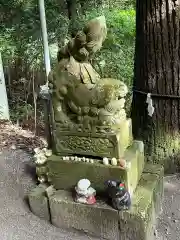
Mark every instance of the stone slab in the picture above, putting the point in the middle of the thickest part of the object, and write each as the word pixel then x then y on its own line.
pixel 65 174
pixel 103 221
pixel 99 220
pixel 94 144
pixel 159 193
pixel 139 222
pixel 38 202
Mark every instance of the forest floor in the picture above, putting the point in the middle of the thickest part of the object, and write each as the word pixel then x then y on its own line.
pixel 17 177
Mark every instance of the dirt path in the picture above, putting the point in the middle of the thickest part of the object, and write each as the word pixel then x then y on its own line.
pixel 169 222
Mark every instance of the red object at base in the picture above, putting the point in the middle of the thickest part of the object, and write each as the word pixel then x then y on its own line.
pixel 91 200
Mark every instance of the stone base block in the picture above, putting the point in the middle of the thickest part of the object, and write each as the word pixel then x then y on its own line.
pixel 102 221
pixel 65 174
pixel 98 220
pixel 139 222
pixel 38 202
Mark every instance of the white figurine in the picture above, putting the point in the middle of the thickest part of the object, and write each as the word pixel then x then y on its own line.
pixel 84 192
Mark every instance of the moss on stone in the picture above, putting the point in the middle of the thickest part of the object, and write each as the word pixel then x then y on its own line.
pixel 38 202
pixel 102 221
pixel 65 174
pixel 138 223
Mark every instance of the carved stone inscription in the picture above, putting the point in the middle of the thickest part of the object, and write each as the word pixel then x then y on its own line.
pixel 99 147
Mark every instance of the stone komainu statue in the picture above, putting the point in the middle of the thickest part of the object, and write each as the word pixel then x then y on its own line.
pixel 82 100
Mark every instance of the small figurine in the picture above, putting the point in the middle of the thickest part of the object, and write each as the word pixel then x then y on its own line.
pixel 84 193
pixel 118 194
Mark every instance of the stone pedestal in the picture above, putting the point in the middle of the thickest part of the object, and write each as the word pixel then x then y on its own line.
pixel 100 219
pixel 65 174
pixel 94 144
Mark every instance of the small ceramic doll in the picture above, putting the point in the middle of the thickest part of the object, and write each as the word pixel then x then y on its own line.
pixel 85 193
pixel 118 194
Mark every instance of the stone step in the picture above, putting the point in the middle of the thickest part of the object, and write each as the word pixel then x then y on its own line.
pixel 101 220
pixel 65 174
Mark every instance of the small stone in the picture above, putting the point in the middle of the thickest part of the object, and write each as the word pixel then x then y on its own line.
pixel 87 160
pixel 40 160
pixel 105 161
pixel 114 161
pixel 13 147
pixel 122 163
pixel 41 179
pixel 155 233
pixel 37 150
pixel 175 220
pixel 48 153
pixel 44 150
pixel 91 160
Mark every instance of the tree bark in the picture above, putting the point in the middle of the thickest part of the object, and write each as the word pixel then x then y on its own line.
pixel 157 71
pixel 72 11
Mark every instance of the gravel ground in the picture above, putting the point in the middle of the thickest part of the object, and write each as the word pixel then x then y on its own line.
pixel 17 222
pixel 168 227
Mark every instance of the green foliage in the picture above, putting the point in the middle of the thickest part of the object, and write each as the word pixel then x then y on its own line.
pixel 23 37
pixel 20 37
pixel 21 111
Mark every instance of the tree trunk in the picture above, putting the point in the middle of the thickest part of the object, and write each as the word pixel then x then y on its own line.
pixel 4 108
pixel 71 6
pixel 157 71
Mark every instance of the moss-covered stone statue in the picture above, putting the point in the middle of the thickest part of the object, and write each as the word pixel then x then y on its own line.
pixel 83 102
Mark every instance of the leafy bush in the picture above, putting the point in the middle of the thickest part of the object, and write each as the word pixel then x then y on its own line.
pixel 20 38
